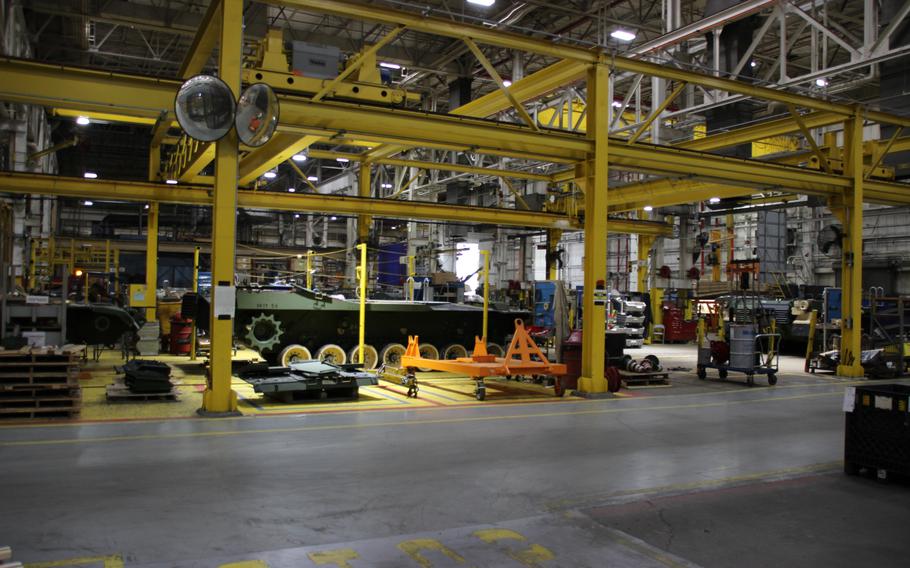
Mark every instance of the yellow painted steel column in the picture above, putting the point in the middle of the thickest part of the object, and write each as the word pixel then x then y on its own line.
pixel 486 293
pixel 151 263
pixel 309 270
pixel 595 261
pixel 218 397
pixel 195 291
pixel 33 259
pixel 364 190
pixel 852 262
pixel 644 251
pixel 412 272
pixel 553 236
pixel 362 274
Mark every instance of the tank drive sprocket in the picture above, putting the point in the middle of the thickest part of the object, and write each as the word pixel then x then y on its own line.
pixel 264 332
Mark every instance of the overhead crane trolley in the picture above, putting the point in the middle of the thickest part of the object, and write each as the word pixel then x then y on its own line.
pixel 523 357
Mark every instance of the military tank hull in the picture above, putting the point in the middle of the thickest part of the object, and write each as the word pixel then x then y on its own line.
pixel 288 323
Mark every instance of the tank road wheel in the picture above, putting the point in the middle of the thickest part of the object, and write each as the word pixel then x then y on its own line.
pixel 454 351
pixel 390 355
pixel 495 350
pixel 428 351
pixel 293 354
pixel 263 332
pixel 331 353
pixel 370 356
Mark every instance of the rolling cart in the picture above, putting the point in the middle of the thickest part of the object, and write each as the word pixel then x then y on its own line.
pixel 747 352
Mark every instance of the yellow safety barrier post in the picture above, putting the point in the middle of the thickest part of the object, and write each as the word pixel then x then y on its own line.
pixel 486 293
pixel 362 274
pixel 309 270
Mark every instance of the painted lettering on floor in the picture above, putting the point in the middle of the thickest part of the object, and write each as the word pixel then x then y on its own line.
pixel 530 556
pixel 337 557
pixel 413 548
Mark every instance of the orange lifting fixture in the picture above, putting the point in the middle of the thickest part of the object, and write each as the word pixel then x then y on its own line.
pixel 524 357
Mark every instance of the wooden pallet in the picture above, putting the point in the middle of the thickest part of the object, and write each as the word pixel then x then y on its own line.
pixel 119 392
pixel 632 380
pixel 40 382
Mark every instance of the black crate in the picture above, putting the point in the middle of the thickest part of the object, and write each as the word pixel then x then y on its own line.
pixel 878 430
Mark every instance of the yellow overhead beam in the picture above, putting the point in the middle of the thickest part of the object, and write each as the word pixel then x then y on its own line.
pixel 204 42
pixel 440 166
pixel 23 183
pixel 106 116
pixel 760 131
pixel 279 149
pixel 491 71
pixel 492 36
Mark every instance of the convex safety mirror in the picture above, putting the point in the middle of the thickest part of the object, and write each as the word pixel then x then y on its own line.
pixel 257 115
pixel 205 108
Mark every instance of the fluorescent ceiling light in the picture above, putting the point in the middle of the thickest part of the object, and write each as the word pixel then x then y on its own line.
pixel 292 189
pixel 648 208
pixel 616 104
pixel 269 175
pixel 83 121
pixel 299 157
pixel 389 65
pixel 753 64
pixel 297 216
pixel 312 178
pixel 88 203
pixel 386 186
pixel 507 83
pixel 342 160
pixel 333 218
pixel 623 35
pixel 170 181
pixel 821 82
pixel 90 175
pixel 146 205
pixel 482 2
pixel 714 200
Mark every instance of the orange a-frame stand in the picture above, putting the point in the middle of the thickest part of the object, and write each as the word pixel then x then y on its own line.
pixel 524 357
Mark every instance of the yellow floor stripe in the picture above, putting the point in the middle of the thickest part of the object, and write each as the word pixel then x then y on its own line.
pixel 418 422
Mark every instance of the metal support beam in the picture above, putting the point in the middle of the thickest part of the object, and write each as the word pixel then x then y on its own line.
pixel 880 152
pixel 204 42
pixel 760 131
pixel 151 263
pixel 364 191
pixel 656 113
pixel 279 149
pixel 852 262
pixel 595 260
pixel 359 59
pixel 822 159
pixel 218 398
pixel 553 236
pixel 491 71
pixel 490 36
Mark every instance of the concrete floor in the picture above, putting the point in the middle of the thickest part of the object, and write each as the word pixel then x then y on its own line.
pixel 704 473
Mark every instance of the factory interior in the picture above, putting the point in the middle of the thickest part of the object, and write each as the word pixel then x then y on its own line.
pixel 452 283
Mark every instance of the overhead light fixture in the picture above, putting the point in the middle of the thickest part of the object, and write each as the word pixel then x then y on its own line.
pixel 297 216
pixel 486 3
pixel 386 186
pixel 312 178
pixel 507 83
pixel 821 82
pixel 88 203
pixel 170 181
pixel 299 157
pixel 342 160
pixel 83 121
pixel 714 200
pixel 389 65
pixel 269 175
pixel 292 189
pixel 753 63
pixel 648 208
pixel 90 175
pixel 333 218
pixel 146 205
pixel 623 35
pixel 616 104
